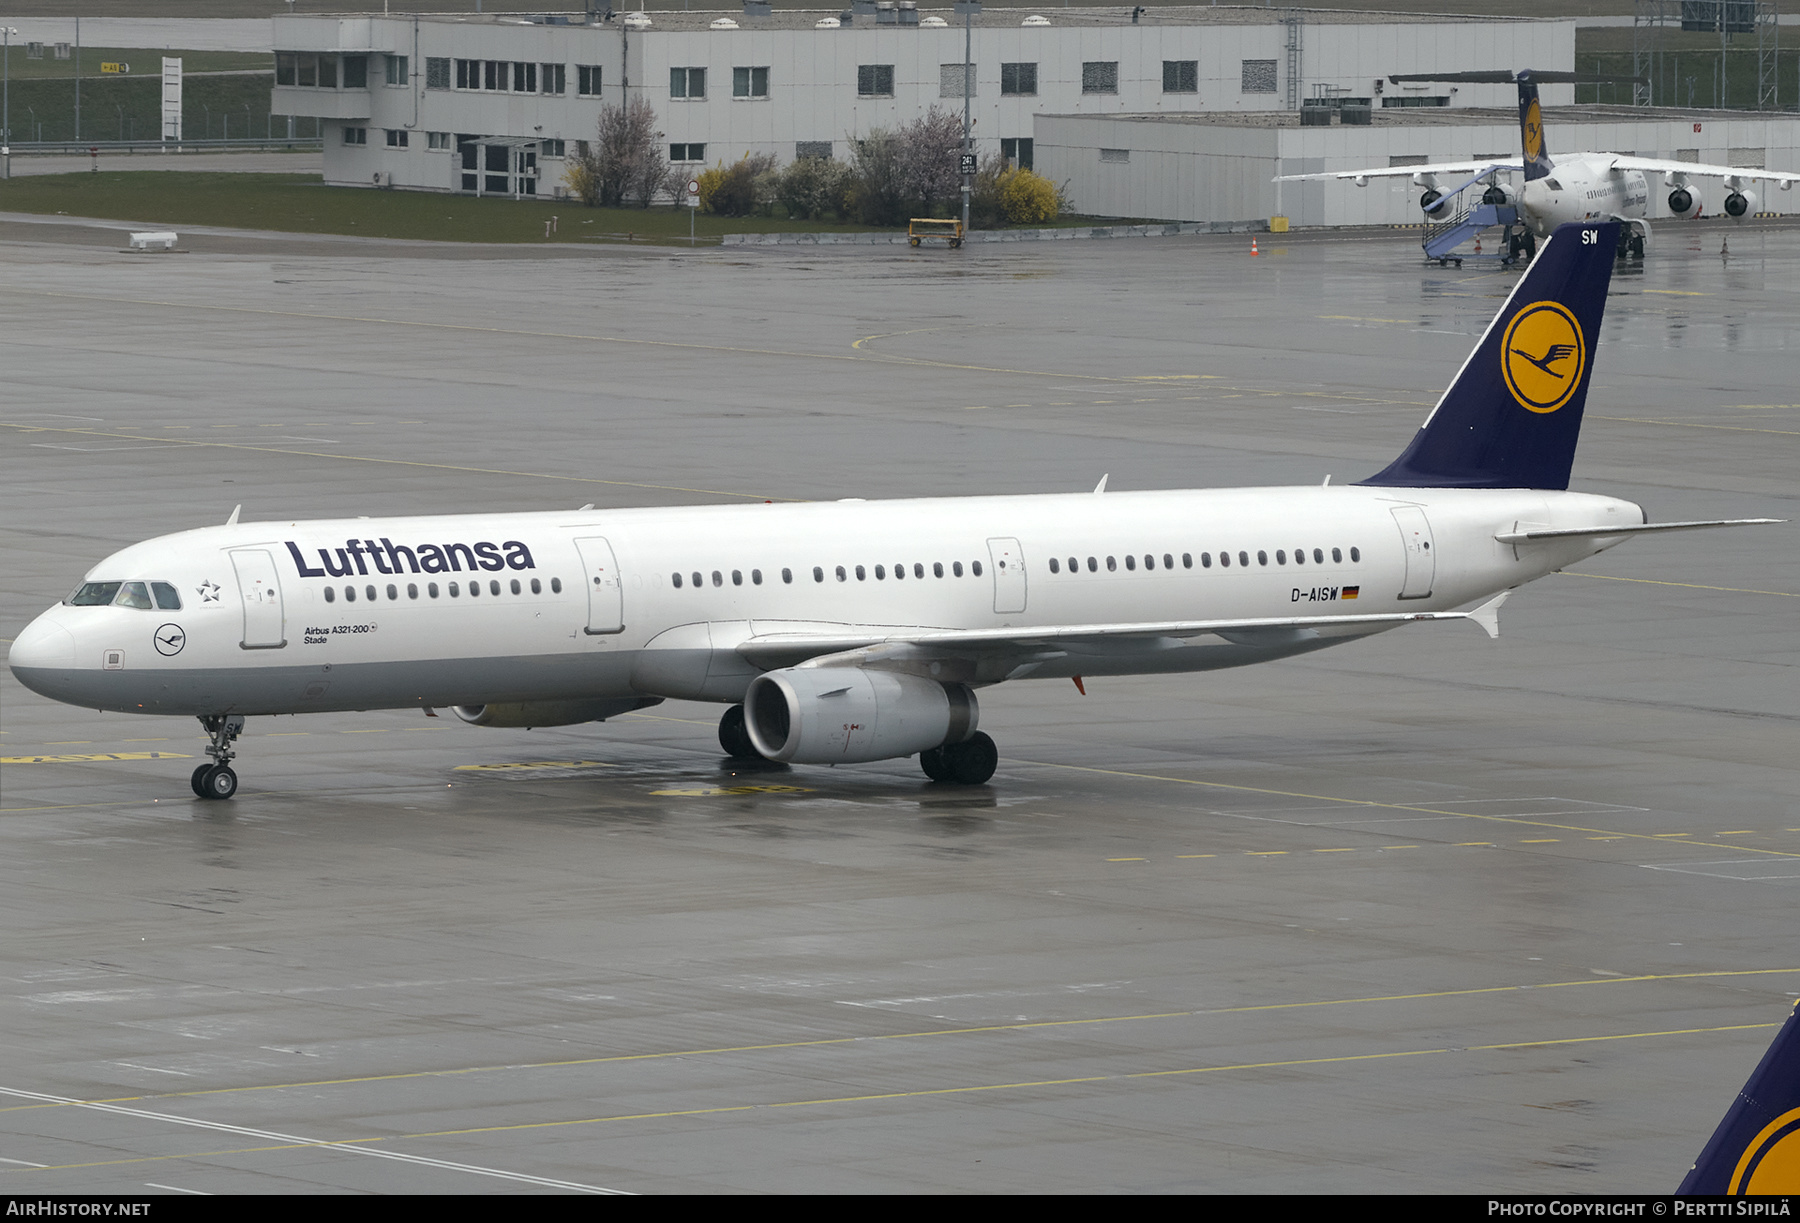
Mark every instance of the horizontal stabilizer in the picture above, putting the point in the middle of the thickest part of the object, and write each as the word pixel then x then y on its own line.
pixel 1488 614
pixel 1547 533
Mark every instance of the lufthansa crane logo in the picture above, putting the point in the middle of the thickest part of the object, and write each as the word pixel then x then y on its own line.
pixel 169 640
pixel 1543 356
pixel 1771 1164
pixel 1534 131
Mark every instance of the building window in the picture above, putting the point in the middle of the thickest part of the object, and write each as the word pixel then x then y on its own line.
pixel 494 73
pixel 468 74
pixel 439 141
pixel 1100 76
pixel 1016 153
pixel 1120 155
pixel 1259 76
pixel 554 78
pixel 812 148
pixel 356 72
pixel 356 135
pixel 875 80
pixel 1440 99
pixel 587 80
pixel 1018 80
pixel 950 80
pixel 396 70
pixel 749 82
pixel 687 82
pixel 396 138
pixel 524 78
pixel 284 67
pixel 687 152
pixel 437 72
pixel 1181 76
pixel 551 148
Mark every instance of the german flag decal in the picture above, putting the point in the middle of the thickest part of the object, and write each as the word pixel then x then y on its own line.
pixel 1350 592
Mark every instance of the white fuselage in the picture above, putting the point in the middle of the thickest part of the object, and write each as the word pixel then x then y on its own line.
pixel 1583 187
pixel 281 618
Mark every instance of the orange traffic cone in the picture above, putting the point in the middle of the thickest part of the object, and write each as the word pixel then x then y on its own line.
pixel 1477 246
pixel 1253 248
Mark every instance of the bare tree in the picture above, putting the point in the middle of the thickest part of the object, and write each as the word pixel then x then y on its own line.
pixel 626 162
pixel 928 149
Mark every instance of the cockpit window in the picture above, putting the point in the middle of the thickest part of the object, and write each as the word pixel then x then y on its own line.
pixel 134 594
pixel 94 594
pixel 167 597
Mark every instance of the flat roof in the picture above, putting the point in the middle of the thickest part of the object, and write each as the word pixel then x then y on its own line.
pixel 1449 116
pixel 990 18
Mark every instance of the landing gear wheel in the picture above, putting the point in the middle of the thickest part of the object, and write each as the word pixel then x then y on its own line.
pixel 935 763
pixel 734 736
pixel 1637 246
pixel 969 763
pixel 219 782
pixel 198 781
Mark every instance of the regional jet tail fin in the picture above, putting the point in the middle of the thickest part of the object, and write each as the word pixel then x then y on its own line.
pixel 1756 1149
pixel 1512 417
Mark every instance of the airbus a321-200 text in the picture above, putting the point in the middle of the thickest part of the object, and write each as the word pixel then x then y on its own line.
pixel 1571 187
pixel 847 632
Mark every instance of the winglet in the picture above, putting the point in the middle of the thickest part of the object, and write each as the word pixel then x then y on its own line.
pixel 235 510
pixel 1756 1149
pixel 1488 614
pixel 1101 487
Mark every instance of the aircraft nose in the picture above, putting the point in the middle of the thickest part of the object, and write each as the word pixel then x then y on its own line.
pixel 44 645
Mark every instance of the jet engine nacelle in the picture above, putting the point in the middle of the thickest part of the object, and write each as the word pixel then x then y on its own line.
pixel 549 713
pixel 1431 199
pixel 1500 195
pixel 1684 203
pixel 1740 204
pixel 846 715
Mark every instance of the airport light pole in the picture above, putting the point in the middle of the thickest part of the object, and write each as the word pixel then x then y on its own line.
pixel 6 108
pixel 968 9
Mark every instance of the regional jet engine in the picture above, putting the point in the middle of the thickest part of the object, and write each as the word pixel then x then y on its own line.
pixel 846 715
pixel 1740 204
pixel 1684 203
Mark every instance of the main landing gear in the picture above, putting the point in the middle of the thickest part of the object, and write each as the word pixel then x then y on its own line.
pixel 735 738
pixel 216 780
pixel 969 763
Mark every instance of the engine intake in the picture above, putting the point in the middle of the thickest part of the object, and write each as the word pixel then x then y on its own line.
pixel 1684 203
pixel 847 715
pixel 1739 204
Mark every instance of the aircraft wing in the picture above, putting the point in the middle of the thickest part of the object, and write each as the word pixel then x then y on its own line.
pixel 1698 170
pixel 1446 167
pixel 892 645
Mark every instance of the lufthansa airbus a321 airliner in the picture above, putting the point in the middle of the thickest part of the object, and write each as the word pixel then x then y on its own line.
pixel 847 632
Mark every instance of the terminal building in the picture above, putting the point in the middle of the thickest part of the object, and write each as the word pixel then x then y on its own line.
pixel 493 104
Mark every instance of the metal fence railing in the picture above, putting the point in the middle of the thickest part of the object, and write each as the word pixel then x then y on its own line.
pixel 32 148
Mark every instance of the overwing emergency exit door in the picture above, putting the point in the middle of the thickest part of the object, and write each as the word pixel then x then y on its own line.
pixel 1008 561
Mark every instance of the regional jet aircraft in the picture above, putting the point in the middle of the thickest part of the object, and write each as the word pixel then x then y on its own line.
pixel 1571 188
pixel 847 632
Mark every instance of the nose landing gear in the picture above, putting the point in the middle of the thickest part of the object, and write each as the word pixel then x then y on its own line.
pixel 216 780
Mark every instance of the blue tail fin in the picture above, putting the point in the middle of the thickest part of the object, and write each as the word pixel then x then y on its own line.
pixel 1531 130
pixel 1512 417
pixel 1756 1149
